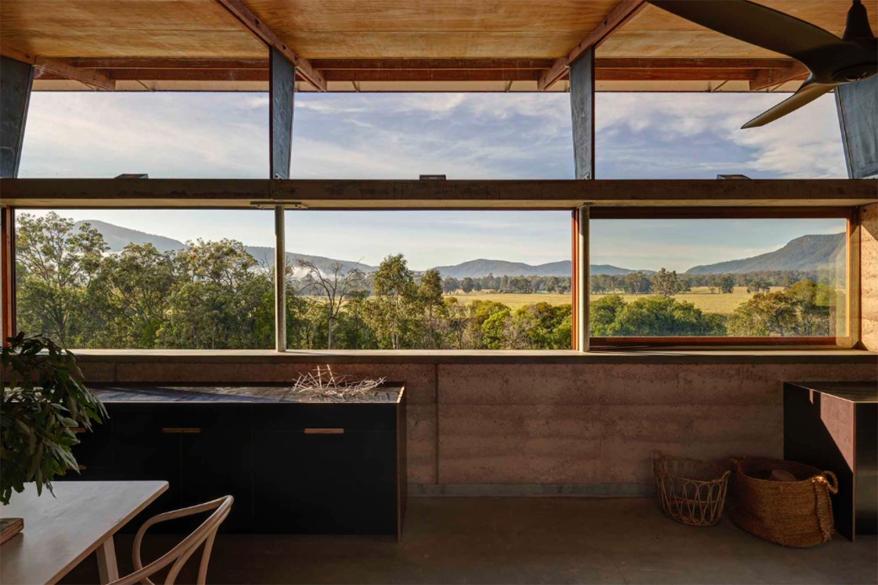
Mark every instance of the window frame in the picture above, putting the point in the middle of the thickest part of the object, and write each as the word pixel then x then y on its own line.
pixel 852 278
pixel 580 310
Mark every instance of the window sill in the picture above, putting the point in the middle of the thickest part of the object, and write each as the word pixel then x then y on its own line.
pixel 654 355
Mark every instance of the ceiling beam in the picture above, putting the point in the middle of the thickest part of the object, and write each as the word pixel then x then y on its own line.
pixel 444 64
pixel 770 77
pixel 62 69
pixel 454 194
pixel 425 70
pixel 165 63
pixel 240 11
pixel 665 63
pixel 619 15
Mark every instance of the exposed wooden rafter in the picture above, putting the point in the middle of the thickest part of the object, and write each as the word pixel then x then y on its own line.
pixel 421 70
pixel 772 77
pixel 62 69
pixel 452 194
pixel 240 11
pixel 619 15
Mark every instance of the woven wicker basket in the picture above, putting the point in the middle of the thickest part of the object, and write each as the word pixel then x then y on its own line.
pixel 792 513
pixel 690 491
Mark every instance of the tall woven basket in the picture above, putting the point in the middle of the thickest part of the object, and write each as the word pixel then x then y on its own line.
pixel 795 513
pixel 689 490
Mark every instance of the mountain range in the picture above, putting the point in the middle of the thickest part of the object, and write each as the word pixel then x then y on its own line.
pixel 806 253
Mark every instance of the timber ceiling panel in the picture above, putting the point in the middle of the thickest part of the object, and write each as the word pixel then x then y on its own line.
pixel 177 44
pixel 654 32
pixel 431 29
pixel 124 28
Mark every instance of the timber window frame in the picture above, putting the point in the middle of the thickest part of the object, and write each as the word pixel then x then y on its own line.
pixel 850 338
pixel 605 199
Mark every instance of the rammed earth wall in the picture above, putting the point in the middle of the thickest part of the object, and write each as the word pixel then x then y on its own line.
pixel 543 423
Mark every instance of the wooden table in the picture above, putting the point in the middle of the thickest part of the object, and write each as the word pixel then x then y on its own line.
pixel 60 532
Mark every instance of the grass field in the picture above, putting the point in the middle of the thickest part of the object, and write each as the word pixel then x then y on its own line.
pixel 700 297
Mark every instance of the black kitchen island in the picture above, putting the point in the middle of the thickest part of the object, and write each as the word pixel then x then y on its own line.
pixel 294 464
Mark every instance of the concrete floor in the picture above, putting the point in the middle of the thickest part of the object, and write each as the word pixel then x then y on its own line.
pixel 548 540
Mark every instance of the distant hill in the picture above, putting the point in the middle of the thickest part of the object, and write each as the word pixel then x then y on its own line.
pixel 482 267
pixel 118 237
pixel 265 256
pixel 807 253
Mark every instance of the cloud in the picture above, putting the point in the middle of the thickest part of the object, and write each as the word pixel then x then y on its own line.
pixel 104 134
pixel 403 135
pixel 806 143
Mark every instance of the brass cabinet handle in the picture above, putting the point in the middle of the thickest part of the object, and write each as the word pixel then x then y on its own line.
pixel 324 431
pixel 181 430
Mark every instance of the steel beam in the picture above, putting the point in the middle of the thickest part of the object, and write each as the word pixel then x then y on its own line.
pixel 282 91
pixel 16 80
pixel 582 109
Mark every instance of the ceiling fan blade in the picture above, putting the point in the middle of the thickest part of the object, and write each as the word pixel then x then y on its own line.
pixel 807 93
pixel 755 24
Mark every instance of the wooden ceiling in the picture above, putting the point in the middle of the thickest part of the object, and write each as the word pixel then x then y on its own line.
pixel 390 45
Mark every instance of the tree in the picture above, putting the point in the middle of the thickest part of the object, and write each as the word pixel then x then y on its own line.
pixel 219 299
pixel 540 326
pixel 432 304
pixel 663 316
pixel 337 286
pixel 479 333
pixel 603 313
pixel 666 283
pixel 758 285
pixel 130 294
pixel 636 283
pixel 55 263
pixel 727 284
pixel 389 312
pixel 801 310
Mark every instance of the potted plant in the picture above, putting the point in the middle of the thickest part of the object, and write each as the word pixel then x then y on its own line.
pixel 44 403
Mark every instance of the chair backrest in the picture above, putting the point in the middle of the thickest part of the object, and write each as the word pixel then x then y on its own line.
pixel 177 557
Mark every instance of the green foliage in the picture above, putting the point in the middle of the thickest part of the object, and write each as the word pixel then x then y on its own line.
pixel 44 399
pixel 215 295
pixel 668 283
pixel 801 310
pixel 55 264
pixel 652 316
pixel 726 284
pixel 603 314
pixel 390 312
pixel 218 301
pixel 542 326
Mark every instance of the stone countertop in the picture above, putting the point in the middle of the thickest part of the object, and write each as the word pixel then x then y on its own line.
pixel 861 392
pixel 113 393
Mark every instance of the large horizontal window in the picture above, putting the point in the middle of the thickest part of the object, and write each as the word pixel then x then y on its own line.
pixel 428 279
pixel 146 278
pixel 742 278
pixel 476 280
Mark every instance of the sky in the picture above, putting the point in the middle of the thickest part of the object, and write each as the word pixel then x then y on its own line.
pixel 464 136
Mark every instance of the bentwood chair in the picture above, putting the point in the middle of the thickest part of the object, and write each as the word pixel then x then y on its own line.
pixel 177 557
